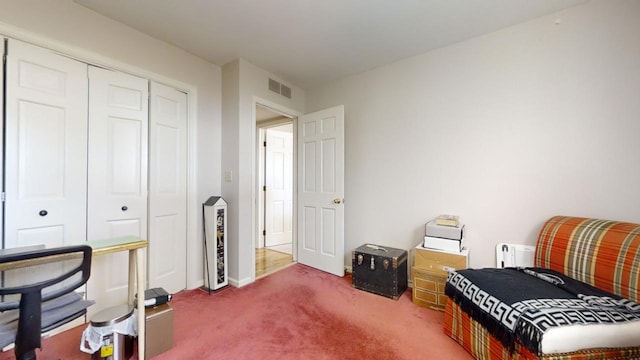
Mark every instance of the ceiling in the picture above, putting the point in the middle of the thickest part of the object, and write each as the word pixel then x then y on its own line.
pixel 310 42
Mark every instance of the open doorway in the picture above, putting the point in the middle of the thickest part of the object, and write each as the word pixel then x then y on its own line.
pixel 275 245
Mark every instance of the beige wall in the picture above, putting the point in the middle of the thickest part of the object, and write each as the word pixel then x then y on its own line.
pixel 506 130
pixel 243 84
pixel 68 27
pixel 230 159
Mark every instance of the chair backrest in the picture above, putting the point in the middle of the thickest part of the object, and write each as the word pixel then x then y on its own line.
pixel 32 277
pixel 602 253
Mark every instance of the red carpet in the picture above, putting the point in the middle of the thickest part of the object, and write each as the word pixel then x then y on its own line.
pixel 297 313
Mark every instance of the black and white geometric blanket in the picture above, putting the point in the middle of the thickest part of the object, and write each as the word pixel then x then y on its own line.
pixel 522 304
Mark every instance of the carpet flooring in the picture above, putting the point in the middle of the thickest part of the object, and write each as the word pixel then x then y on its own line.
pixel 296 313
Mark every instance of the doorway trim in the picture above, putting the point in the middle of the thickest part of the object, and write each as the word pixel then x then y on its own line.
pixel 293 115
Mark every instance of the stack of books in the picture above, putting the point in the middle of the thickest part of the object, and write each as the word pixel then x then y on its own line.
pixel 445 233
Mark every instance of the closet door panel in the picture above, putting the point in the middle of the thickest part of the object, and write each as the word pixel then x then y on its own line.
pixel 168 188
pixel 46 153
pixel 2 49
pixel 117 175
pixel 118 122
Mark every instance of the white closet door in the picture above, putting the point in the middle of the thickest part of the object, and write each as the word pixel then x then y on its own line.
pixel 2 137
pixel 118 122
pixel 46 148
pixel 168 189
pixel 117 175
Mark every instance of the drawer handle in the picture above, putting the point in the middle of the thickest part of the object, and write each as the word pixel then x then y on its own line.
pixel 124 208
pixel 373 264
pixel 43 213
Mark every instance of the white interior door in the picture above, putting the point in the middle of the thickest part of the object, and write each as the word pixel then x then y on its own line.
pixel 321 190
pixel 46 148
pixel 168 189
pixel 279 185
pixel 117 175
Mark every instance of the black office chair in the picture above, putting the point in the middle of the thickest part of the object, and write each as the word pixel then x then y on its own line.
pixel 37 293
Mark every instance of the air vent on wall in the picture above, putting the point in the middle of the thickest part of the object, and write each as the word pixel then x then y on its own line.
pixel 285 91
pixel 278 88
pixel 274 86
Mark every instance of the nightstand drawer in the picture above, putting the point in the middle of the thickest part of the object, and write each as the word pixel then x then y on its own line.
pixel 429 284
pixel 428 288
pixel 440 261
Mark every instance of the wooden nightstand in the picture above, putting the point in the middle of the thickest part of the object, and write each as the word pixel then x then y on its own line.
pixel 429 275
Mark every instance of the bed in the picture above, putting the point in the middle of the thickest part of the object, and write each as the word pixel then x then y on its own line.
pixel 579 301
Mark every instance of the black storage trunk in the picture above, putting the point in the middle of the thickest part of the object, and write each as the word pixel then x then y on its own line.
pixel 380 270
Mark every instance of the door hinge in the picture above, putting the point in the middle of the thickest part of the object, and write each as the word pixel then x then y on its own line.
pixel 264 232
pixel 3 196
pixel 264 144
pixel 264 188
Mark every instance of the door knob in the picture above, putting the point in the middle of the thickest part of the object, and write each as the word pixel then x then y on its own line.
pixel 337 201
pixel 124 208
pixel 43 213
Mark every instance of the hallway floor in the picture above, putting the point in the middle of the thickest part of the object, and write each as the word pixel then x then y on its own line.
pixel 269 261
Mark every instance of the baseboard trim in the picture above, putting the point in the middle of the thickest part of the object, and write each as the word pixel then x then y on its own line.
pixel 240 283
pixel 196 284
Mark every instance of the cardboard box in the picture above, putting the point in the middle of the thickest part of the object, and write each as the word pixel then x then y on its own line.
pixel 440 261
pixel 159 330
pixel 428 288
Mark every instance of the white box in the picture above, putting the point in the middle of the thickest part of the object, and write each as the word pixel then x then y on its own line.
pixel 443 244
pixel 448 232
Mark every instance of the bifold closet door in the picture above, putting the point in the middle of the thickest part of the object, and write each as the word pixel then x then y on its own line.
pixel 45 148
pixel 118 128
pixel 2 137
pixel 117 175
pixel 168 188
